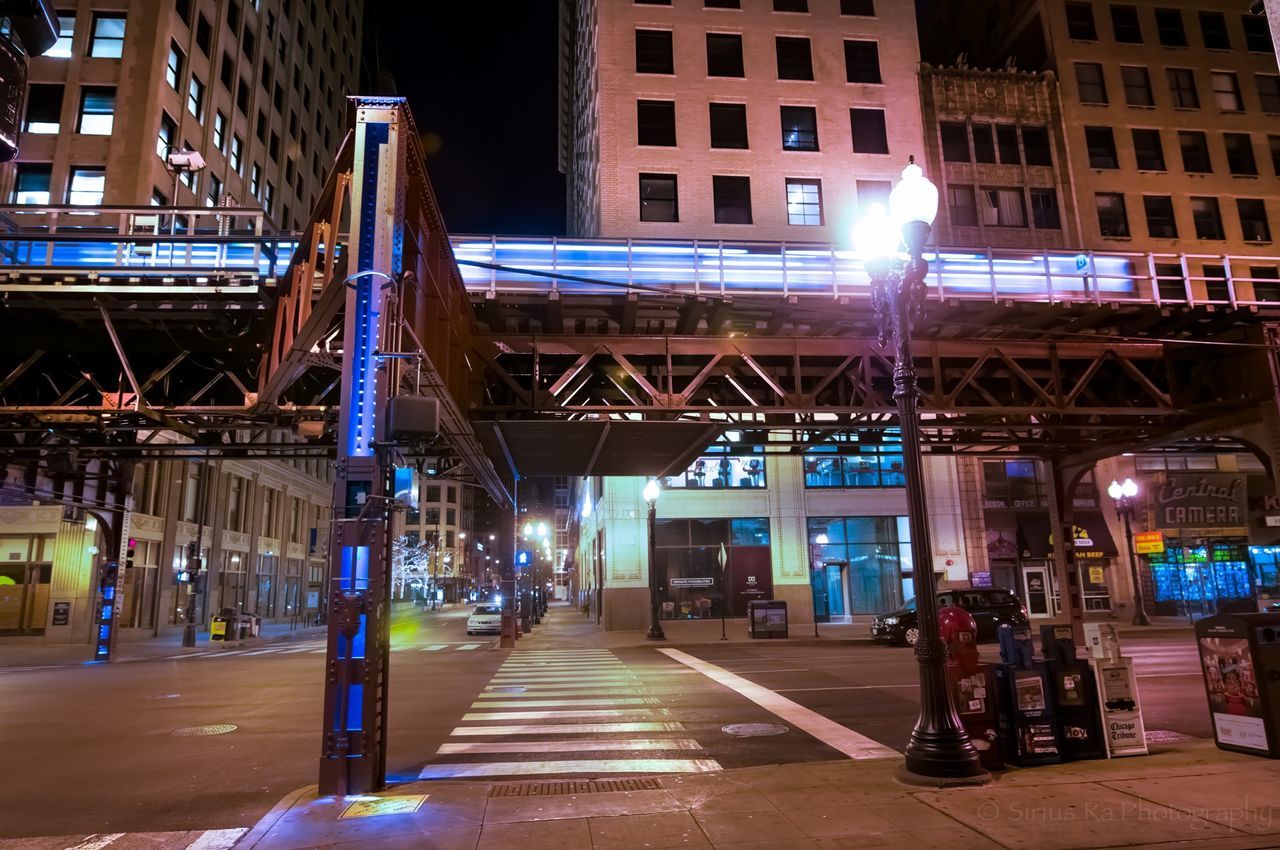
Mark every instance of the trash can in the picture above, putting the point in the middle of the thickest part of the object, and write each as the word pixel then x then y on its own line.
pixel 1240 660
pixel 255 624
pixel 767 618
pixel 243 625
pixel 222 627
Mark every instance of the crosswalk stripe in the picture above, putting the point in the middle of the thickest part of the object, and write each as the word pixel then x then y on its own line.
pixel 293 651
pixel 435 647
pixel 561 668
pixel 218 839
pixel 553 703
pixel 564 690
pixel 568 746
pixel 567 729
pixel 548 678
pixel 598 713
pixel 315 651
pixel 97 841
pixel 260 652
pixel 223 653
pixel 469 646
pixel 520 768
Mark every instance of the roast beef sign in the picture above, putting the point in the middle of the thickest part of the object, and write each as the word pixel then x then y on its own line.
pixel 1207 505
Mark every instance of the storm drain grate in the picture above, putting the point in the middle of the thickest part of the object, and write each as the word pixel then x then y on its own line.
pixel 573 786
pixel 1164 736
pixel 201 731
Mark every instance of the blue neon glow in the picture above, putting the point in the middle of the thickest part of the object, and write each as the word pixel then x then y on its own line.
pixel 355 703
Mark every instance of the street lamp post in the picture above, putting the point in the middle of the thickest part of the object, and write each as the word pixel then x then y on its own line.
pixel 939 749
pixel 651 491
pixel 1126 498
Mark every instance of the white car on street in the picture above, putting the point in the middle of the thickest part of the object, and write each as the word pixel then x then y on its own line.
pixel 486 618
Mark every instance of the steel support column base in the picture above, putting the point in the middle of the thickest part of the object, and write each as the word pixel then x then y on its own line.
pixel 189 634
pixel 506 642
pixel 342 776
pixel 909 777
pixel 1140 619
pixel 943 755
pixel 655 633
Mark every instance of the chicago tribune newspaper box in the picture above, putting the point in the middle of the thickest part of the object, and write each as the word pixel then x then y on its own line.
pixel 1117 692
pixel 1240 659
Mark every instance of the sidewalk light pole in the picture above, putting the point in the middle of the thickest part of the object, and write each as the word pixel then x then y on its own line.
pixel 939 748
pixel 1126 498
pixel 651 491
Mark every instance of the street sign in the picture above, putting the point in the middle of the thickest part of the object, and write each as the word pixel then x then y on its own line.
pixel 692 582
pixel 1148 543
pixel 524 558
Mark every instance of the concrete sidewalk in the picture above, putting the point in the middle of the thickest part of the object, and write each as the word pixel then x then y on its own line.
pixel 1187 795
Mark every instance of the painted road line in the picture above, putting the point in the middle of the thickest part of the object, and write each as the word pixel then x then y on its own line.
pixel 567 729
pixel 563 681
pixel 166 658
pixel 261 652
pixel 218 839
pixel 566 677
pixel 847 688
pixel 591 665
pixel 97 841
pixel 295 651
pixel 224 653
pixel 571 692
pixel 554 703
pixel 569 746
pixel 826 730
pixel 595 713
pixel 315 651
pixel 466 646
pixel 435 647
pixel 521 768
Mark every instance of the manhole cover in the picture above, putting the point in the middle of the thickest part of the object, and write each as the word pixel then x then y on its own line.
pixel 754 730
pixel 1164 736
pixel 510 689
pixel 200 731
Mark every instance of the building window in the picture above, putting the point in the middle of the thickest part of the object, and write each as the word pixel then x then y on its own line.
pixel 653 52
pixel 227 71
pixel 984 144
pixel 722 4
pixel 1003 207
pixel 1112 218
pixel 1161 223
pixel 653 2
pixel 97 111
pixel 1182 88
pixel 215 191
pixel 869 133
pixel 31 186
pixel 794 59
pixel 724 55
pixel 1102 147
pixel 1253 219
pixel 872 467
pixel 242 97
pixel 1195 152
pixel 862 8
pixel 1226 91
pixel 1257 35
pixel 173 66
pixel 1125 24
pixel 1090 82
pixel 269 197
pixel 86 186
pixel 656 123
pixel 1208 218
pixel 66 32
pixel 1268 92
pixel 195 98
pixel 799 128
pixel 204 34
pixel 237 152
pixel 804 202
pixel 44 108
pixel 1266 283
pixel 219 130
pixel 1240 159
pixel 964 213
pixel 791 5
pixel 732 198
pixel 1148 150
pixel 1213 26
pixel 107 39
pixel 658 201
pixel 255 179
pixel 1170 29
pixel 872 192
pixel 955 142
pixel 1137 86
pixel 862 61
pixel 1044 209
pixel 729 125
pixel 164 139
pixel 1007 141
pixel 1080 22
pixel 1274 143
pixel 1035 145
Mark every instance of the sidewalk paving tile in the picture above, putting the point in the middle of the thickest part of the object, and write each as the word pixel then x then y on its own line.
pixel 437 839
pixel 951 838
pixel 536 835
pixel 647 832
pixel 835 821
pixel 727 828
pixel 908 814
pixel 569 806
pixel 1246 806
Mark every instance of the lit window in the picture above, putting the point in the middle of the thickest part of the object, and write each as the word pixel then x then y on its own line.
pixel 173 66
pixel 86 186
pixel 268 197
pixel 97 111
pixel 44 109
pixel 1226 91
pixel 164 139
pixel 237 151
pixel 107 38
pixel 219 130
pixel 255 179
pixel 804 202
pixel 215 192
pixel 32 184
pixel 195 98
pixel 66 31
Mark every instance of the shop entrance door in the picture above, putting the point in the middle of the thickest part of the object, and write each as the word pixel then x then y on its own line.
pixel 1036 591
pixel 821 600
pixel 24 598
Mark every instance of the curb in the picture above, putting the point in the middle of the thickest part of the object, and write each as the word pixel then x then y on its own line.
pixel 271 818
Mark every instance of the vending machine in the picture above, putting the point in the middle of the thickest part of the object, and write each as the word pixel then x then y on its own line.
pixel 1120 708
pixel 972 684
pixel 1240 658
pixel 1028 734
pixel 1075 696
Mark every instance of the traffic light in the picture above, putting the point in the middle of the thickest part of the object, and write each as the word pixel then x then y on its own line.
pixel 128 555
pixel 107 578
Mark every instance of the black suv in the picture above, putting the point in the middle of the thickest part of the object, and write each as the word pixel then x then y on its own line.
pixel 991 608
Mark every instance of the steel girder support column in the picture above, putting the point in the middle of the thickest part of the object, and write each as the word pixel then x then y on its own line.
pixel 353 753
pixel 1063 478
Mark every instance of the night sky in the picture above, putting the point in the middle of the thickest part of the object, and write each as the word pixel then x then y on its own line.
pixel 481 80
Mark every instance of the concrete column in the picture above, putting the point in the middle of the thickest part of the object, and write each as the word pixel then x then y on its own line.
pixel 622 514
pixel 789 535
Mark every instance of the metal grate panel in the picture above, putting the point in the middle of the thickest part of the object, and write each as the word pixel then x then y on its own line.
pixel 573 786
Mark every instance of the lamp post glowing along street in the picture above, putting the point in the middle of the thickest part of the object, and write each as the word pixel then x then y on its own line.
pixel 1126 498
pixel 651 491
pixel 939 748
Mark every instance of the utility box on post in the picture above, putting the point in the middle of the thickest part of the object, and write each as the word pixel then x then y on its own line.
pixel 1075 696
pixel 1240 659
pixel 767 618
pixel 1028 734
pixel 1123 732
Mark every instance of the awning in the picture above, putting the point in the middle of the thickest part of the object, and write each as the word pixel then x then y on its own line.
pixel 1092 537
pixel 535 448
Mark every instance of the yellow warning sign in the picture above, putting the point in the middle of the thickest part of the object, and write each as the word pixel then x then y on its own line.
pixel 217 627
pixel 367 807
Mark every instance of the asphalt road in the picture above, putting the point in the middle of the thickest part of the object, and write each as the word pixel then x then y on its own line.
pixel 90 749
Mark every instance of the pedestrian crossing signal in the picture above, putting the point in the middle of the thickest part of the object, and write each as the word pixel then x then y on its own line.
pixel 524 557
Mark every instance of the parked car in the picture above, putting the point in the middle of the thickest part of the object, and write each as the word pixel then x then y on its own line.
pixel 991 608
pixel 485 618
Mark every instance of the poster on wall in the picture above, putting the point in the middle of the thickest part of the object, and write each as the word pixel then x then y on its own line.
pixel 1229 678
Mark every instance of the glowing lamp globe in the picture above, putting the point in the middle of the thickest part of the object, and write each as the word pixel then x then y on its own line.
pixel 914 198
pixel 875 236
pixel 651 491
